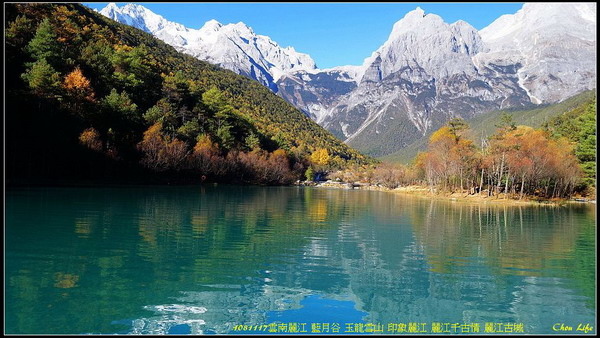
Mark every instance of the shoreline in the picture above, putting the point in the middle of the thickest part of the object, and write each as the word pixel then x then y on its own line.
pixel 424 192
pixel 412 190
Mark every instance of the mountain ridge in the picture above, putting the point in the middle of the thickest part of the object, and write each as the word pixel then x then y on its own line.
pixel 429 71
pixel 233 46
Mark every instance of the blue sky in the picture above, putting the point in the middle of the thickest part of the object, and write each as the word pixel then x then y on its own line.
pixel 333 34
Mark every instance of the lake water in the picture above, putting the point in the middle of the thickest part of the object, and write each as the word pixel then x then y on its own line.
pixel 238 259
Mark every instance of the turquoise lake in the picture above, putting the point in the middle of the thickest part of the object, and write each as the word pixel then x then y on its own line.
pixel 241 259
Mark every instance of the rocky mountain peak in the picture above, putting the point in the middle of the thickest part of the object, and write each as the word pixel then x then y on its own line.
pixel 140 17
pixel 212 25
pixel 425 41
pixel 545 20
pixel 417 22
pixel 554 44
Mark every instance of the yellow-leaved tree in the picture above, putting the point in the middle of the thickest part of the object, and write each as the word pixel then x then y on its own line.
pixel 77 84
pixel 320 157
pixel 90 138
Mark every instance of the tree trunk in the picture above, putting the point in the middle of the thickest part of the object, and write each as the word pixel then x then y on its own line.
pixel 500 175
pixel 522 185
pixel 506 185
pixel 481 181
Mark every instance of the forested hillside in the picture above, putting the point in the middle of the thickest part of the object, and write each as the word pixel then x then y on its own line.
pixel 88 98
pixel 484 125
pixel 579 126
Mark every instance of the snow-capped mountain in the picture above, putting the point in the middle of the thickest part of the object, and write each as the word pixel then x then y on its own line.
pixel 423 75
pixel 427 71
pixel 411 42
pixel 554 42
pixel 233 46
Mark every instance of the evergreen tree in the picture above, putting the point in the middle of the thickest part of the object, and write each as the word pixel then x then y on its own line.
pixel 586 147
pixel 190 129
pixel 309 174
pixel 119 111
pixel 18 32
pixel 506 122
pixel 44 44
pixel 162 111
pixel 252 141
pixel 224 135
pixel 457 126
pixel 42 78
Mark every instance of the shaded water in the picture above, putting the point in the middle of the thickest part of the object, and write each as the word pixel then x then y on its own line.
pixel 286 259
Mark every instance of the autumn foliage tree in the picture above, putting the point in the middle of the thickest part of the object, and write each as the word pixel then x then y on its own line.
pixel 517 160
pixel 90 138
pixel 78 85
pixel 266 168
pixel 320 157
pixel 162 152
pixel 206 157
pixel 392 175
pixel 450 161
pixel 535 164
pixel 78 92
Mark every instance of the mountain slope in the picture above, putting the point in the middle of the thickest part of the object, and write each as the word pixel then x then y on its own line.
pixel 315 92
pixel 484 125
pixel 234 46
pixel 579 126
pixel 129 98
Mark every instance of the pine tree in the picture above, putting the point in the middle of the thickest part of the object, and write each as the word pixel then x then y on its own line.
pixel 586 147
pixel 310 174
pixel 42 78
pixel 121 104
pixel 44 44
pixel 252 141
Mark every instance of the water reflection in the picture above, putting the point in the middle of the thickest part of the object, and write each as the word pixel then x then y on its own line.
pixel 204 259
